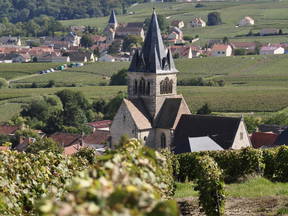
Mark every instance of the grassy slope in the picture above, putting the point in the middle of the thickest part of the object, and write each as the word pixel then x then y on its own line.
pixel 266 14
pixel 244 70
pixel 256 187
pixel 10 71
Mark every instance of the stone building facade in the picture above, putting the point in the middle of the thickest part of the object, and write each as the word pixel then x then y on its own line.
pixel 153 107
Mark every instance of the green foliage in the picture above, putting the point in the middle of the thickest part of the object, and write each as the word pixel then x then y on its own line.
pixel 252 123
pixel 269 161
pixel 128 181
pixel 119 78
pixel 214 19
pixel 242 163
pixel 204 110
pixel 131 41
pixel 280 118
pixel 87 153
pixel 86 41
pixel 281 164
pixel 210 185
pixel 44 144
pixel 162 21
pixel 3 83
pixel 38 26
pixel 25 178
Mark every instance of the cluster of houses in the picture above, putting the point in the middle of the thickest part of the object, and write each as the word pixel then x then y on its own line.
pixel 71 143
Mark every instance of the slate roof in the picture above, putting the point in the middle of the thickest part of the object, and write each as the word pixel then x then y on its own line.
pixel 282 139
pixel 112 18
pixel 139 113
pixel 220 129
pixel 168 113
pixel 153 58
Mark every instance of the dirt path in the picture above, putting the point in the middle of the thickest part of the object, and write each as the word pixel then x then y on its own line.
pixel 261 206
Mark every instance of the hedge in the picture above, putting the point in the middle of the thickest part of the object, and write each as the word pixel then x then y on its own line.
pixel 236 164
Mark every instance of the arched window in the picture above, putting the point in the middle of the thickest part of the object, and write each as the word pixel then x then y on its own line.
pixel 165 86
pixel 141 90
pixel 163 141
pixel 170 86
pixel 135 90
pixel 148 89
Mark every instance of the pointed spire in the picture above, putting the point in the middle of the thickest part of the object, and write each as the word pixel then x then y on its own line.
pixel 153 57
pixel 113 19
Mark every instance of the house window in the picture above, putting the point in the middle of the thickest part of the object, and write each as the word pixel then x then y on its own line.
pixel 223 52
pixel 241 135
pixel 219 52
pixel 142 87
pixel 145 138
pixel 124 118
pixel 163 141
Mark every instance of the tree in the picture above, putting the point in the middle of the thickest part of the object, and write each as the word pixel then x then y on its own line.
pixel 120 78
pixel 45 144
pixel 113 105
pixel 163 24
pixel 252 123
pixel 238 52
pixel 130 41
pixel 86 41
pixel 3 83
pixel 214 19
pixel 225 40
pixel 204 110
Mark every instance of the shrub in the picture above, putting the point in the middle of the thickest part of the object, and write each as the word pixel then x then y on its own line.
pixel 87 153
pixel 3 83
pixel 210 185
pixel 281 164
pixel 269 163
pixel 129 181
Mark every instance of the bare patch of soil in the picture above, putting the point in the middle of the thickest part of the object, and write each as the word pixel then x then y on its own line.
pixel 260 206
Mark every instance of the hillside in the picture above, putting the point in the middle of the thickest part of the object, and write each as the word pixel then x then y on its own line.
pixel 267 14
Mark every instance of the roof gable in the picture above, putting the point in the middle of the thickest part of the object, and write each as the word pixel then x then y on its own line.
pixel 220 129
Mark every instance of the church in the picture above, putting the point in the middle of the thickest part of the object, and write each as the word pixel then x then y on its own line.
pixel 157 115
pixel 153 107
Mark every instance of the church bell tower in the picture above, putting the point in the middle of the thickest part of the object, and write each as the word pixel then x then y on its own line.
pixel 152 73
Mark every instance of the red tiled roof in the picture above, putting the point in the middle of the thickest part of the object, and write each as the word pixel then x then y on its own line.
pixel 98 137
pixel 66 139
pixel 259 139
pixel 6 129
pixel 222 47
pixel 100 124
pixel 4 148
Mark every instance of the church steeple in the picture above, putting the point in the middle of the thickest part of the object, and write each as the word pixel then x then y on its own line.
pixel 153 57
pixel 113 19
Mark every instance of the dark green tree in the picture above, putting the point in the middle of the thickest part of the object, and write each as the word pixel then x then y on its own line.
pixel 120 78
pixel 204 110
pixel 214 19
pixel 86 41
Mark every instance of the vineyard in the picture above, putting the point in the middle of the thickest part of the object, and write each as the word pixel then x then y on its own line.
pixel 131 180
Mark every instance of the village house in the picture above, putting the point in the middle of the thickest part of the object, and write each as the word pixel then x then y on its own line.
pixel 197 22
pixel 270 31
pixel 135 28
pixel 221 50
pixel 249 47
pixel 175 35
pixel 271 50
pixel 103 125
pixel 79 56
pixel 185 51
pixel 4 40
pixel 205 132
pixel 8 130
pixel 51 57
pixel 246 21
pixel 262 139
pixel 106 58
pixel 152 95
pixel 178 23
